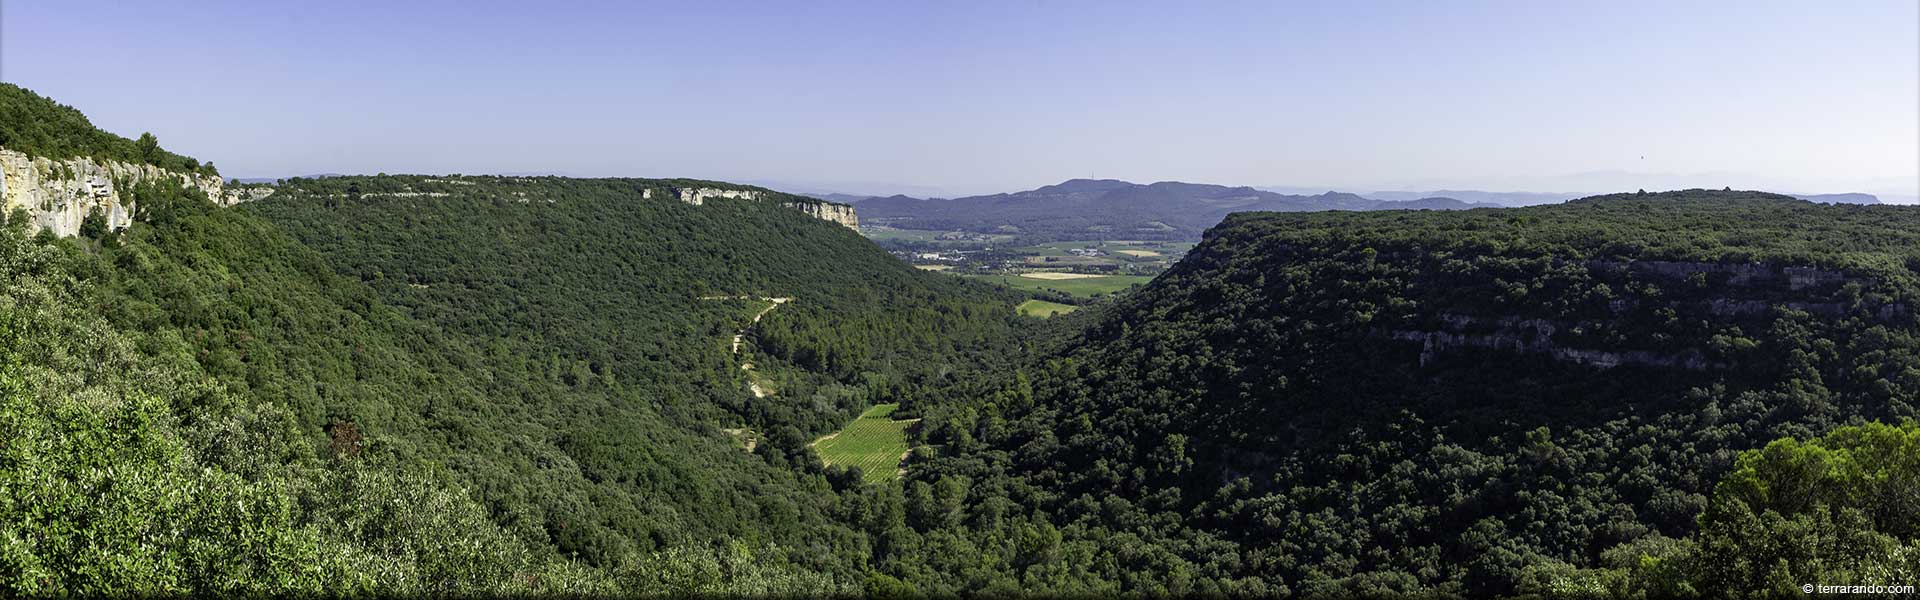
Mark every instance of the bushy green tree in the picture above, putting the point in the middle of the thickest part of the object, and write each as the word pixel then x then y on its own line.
pixel 1839 510
pixel 148 147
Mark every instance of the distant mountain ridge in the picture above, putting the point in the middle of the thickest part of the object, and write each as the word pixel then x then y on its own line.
pixel 1096 208
pixel 841 198
pixel 280 179
pixel 1498 198
pixel 1852 198
pixel 1537 198
pixel 1173 210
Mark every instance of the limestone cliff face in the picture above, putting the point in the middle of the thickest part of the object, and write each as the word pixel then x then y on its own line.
pixel 59 194
pixel 1535 336
pixel 1745 294
pixel 838 213
pixel 699 196
pixel 819 209
pixel 1739 275
pixel 238 194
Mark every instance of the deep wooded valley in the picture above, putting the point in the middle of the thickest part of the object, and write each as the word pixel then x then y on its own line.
pixel 489 385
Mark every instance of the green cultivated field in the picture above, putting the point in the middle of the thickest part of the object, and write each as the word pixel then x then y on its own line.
pixel 1042 308
pixel 1078 287
pixel 874 442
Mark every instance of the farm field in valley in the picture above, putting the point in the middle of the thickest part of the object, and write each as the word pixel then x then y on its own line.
pixel 1043 308
pixel 874 442
pixel 1057 276
pixel 1047 269
pixel 1088 286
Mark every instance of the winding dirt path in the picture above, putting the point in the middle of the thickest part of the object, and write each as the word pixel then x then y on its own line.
pixel 740 335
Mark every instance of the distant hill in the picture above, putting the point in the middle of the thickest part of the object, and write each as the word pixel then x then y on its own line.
pixel 1854 198
pixel 1433 203
pixel 1099 208
pixel 1498 198
pixel 1537 198
pixel 842 198
pixel 279 179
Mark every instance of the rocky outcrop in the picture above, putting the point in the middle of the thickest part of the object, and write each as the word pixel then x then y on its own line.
pixel 699 196
pixel 1534 336
pixel 1746 294
pixel 238 194
pixel 57 195
pixel 1797 278
pixel 819 209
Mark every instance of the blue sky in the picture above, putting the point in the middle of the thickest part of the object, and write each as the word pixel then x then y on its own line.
pixel 967 97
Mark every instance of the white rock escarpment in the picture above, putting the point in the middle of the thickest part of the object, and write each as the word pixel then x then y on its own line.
pixel 699 196
pixel 838 213
pixel 239 194
pixel 59 194
pixel 819 209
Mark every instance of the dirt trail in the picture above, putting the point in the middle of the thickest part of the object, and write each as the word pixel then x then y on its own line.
pixel 740 336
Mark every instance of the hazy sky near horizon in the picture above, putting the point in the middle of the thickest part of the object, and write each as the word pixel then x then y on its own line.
pixel 971 97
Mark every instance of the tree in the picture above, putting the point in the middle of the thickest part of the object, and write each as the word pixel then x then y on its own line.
pixel 94 226
pixel 149 148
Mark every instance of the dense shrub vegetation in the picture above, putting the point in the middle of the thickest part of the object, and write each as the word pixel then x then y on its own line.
pixel 38 126
pixel 1836 511
pixel 131 468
